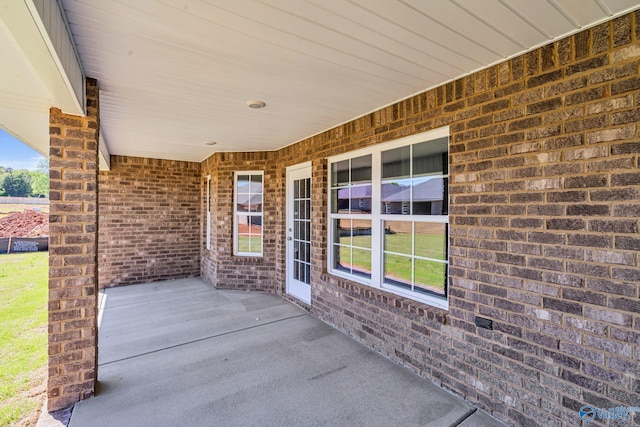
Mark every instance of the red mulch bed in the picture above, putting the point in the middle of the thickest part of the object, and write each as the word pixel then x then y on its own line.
pixel 27 223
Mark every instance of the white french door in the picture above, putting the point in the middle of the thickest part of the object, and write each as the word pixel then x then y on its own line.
pixel 298 232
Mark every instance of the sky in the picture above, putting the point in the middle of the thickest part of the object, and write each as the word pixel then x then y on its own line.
pixel 16 155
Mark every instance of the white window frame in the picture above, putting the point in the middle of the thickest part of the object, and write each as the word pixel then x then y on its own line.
pixel 236 214
pixel 377 219
pixel 208 204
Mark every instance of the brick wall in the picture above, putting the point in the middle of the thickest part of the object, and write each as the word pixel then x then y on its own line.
pixel 73 351
pixel 219 265
pixel 149 221
pixel 544 185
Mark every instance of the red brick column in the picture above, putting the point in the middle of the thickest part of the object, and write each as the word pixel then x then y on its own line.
pixel 73 301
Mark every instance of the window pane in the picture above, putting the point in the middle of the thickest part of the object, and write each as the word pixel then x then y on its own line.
pixel 361 199
pixel 396 163
pixel 341 231
pixel 342 258
pixel 431 240
pixel 249 234
pixel 361 231
pixel 396 196
pixel 334 200
pixel 397 269
pixel 430 157
pixel 256 244
pixel 340 198
pixel 428 195
pixel 430 276
pixel 256 183
pixel 243 184
pixel 340 173
pixel 256 224
pixel 361 262
pixel 398 237
pixel 361 169
pixel 255 203
pixel 243 243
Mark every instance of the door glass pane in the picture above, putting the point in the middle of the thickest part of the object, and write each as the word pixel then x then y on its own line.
pixel 307 228
pixel 302 230
pixel 307 187
pixel 307 209
pixel 307 275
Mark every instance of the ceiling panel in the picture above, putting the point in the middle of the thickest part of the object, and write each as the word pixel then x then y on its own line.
pixel 174 74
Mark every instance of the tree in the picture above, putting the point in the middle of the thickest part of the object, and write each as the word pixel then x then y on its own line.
pixel 17 184
pixel 43 166
pixel 39 183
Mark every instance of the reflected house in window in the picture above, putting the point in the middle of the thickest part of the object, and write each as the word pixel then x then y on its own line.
pixel 428 197
pixel 251 201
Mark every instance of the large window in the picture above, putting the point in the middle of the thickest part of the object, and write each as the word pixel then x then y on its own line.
pixel 248 199
pixel 389 216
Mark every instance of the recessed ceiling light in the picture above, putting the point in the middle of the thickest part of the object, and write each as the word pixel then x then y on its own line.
pixel 209 143
pixel 254 103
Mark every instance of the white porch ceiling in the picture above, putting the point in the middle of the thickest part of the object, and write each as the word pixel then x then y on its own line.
pixel 176 73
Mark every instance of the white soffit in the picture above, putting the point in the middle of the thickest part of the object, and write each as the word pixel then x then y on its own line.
pixel 40 70
pixel 174 74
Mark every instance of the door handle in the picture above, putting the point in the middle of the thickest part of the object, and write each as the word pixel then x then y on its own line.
pixel 289 238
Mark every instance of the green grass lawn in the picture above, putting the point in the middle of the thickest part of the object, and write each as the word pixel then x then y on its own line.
pixel 23 336
pixel 427 274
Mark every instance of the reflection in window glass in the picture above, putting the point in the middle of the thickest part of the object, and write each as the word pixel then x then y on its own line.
pixel 352 246
pixel 396 163
pixel 248 214
pixel 413 181
pixel 430 240
pixel 351 186
pixel 397 192
pixel 415 256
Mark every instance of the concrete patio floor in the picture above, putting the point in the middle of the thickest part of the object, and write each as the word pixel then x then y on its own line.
pixel 183 353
